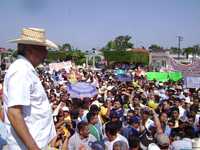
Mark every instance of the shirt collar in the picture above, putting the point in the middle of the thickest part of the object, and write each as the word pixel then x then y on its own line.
pixel 28 63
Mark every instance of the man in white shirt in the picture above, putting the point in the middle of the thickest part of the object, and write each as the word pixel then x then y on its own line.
pixel 112 136
pixel 82 139
pixel 28 114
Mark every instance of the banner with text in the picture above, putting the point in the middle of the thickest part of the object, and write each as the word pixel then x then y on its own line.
pixel 192 82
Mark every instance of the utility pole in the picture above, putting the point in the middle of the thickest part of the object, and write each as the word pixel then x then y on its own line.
pixel 93 57
pixel 180 38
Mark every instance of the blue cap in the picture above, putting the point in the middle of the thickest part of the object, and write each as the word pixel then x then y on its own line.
pixel 114 114
pixel 135 119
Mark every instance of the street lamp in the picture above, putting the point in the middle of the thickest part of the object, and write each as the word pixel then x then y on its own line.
pixel 93 57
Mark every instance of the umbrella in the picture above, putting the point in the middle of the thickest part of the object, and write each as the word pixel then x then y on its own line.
pixel 81 89
pixel 124 78
pixel 119 72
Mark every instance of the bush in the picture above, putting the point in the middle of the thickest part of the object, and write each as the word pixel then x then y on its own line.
pixel 127 57
pixel 77 56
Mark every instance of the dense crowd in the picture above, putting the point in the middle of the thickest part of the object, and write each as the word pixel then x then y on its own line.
pixel 136 114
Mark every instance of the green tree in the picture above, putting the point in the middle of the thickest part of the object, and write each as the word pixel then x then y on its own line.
pixel 188 50
pixel 196 50
pixel 174 50
pixel 155 47
pixel 120 43
pixel 65 47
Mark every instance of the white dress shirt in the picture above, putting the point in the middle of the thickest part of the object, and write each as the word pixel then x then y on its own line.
pixel 22 86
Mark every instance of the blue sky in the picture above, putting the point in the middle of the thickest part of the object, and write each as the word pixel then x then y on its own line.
pixel 88 24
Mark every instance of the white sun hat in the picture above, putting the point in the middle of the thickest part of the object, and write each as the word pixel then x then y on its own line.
pixel 34 36
pixel 65 108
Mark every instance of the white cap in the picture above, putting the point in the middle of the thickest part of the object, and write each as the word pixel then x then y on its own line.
pixel 65 108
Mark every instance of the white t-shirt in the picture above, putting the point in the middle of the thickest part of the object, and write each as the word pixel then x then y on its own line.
pixel 75 142
pixel 181 111
pixel 149 123
pixel 184 144
pixel 22 86
pixel 109 145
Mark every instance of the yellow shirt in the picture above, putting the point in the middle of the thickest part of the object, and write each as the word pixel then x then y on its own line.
pixel 103 113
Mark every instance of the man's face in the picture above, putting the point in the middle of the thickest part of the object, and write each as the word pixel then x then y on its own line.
pixel 166 105
pixel 175 114
pixel 145 116
pixel 196 102
pixel 129 115
pixel 39 53
pixel 177 103
pixel 95 119
pixel 164 117
pixel 117 105
pixel 191 121
pixel 136 125
pixel 85 132
pixel 81 112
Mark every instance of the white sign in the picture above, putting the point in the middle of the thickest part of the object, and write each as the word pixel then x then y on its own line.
pixel 192 82
pixel 62 65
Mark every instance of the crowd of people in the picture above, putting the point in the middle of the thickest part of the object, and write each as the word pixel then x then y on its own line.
pixel 127 112
pixel 136 114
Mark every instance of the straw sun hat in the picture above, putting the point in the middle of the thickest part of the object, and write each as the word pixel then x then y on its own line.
pixel 34 36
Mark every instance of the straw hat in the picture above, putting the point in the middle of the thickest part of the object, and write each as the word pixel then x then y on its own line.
pixel 34 36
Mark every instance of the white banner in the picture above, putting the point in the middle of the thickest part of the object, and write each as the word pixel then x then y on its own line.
pixel 62 65
pixel 192 82
pixel 192 69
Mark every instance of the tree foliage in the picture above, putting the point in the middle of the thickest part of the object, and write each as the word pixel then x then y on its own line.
pixel 187 51
pixel 76 56
pixel 194 50
pixel 120 43
pixel 65 47
pixel 127 57
pixel 155 47
pixel 174 50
